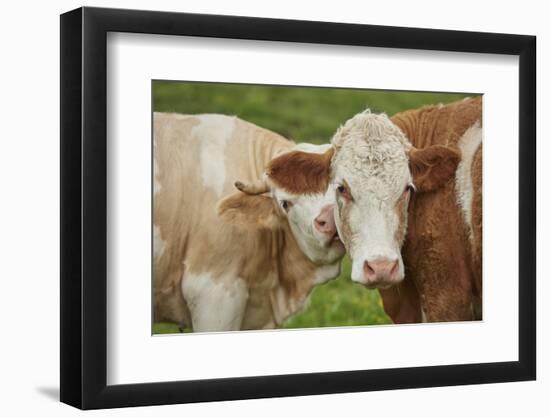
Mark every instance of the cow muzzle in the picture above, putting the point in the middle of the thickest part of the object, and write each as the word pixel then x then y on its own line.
pixel 324 222
pixel 381 273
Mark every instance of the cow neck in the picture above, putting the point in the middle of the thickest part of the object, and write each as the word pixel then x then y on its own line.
pixel 262 149
pixel 295 274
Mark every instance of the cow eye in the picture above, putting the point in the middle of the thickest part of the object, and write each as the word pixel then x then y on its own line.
pixel 343 191
pixel 286 205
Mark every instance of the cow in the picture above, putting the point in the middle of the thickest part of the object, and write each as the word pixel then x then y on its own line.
pixel 408 205
pixel 233 259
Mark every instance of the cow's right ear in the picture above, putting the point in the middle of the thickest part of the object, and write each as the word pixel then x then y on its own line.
pixel 300 172
pixel 249 211
pixel 433 167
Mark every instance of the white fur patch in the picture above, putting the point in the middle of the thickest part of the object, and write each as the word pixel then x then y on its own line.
pixel 213 132
pixel 159 245
pixel 468 144
pixel 327 272
pixel 371 154
pixel 424 318
pixel 215 303
pixel 309 147
pixel 156 169
pixel 156 183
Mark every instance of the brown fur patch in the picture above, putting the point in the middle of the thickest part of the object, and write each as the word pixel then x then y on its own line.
pixel 255 211
pixel 436 256
pixel 433 167
pixel 439 125
pixel 402 302
pixel 301 172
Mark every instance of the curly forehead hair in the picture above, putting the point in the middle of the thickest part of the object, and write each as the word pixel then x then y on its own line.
pixel 370 147
pixel 370 128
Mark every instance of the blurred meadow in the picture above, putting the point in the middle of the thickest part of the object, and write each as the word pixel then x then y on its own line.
pixel 302 114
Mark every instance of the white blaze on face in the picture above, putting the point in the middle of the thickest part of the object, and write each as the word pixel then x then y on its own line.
pixel 371 174
pixel 213 132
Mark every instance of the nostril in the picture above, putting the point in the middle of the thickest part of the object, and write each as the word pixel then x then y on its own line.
pixel 394 268
pixel 321 225
pixel 324 222
pixel 368 269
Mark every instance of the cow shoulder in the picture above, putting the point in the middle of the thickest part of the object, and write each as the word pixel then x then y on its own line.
pixel 250 211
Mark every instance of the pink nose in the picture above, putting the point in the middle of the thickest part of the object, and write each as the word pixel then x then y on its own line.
pixel 324 222
pixel 380 271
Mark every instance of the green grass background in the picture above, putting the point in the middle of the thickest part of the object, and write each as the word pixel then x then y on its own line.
pixel 303 114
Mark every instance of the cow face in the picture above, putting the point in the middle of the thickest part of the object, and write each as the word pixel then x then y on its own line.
pixel 310 216
pixel 373 171
pixel 373 185
pixel 311 220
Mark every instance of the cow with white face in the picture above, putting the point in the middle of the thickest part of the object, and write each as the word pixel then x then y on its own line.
pixel 401 201
pixel 408 192
pixel 227 259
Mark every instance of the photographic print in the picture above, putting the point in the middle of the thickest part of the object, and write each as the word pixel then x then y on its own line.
pixel 308 194
pixel 301 207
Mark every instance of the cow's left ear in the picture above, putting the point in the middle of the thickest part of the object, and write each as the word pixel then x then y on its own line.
pixel 249 211
pixel 300 172
pixel 433 167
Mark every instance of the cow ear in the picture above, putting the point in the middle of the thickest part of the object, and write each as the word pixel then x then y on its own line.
pixel 433 167
pixel 249 211
pixel 300 172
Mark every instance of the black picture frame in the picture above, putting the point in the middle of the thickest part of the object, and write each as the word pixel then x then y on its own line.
pixel 84 207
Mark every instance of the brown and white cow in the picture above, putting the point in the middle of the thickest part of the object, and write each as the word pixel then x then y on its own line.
pixel 226 259
pixel 408 194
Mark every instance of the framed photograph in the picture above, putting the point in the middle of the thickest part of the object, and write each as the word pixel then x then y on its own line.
pixel 257 208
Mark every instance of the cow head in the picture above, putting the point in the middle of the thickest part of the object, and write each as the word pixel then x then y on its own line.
pixel 310 216
pixel 373 170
